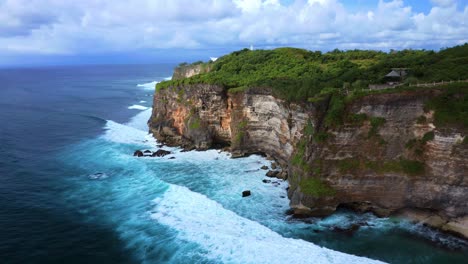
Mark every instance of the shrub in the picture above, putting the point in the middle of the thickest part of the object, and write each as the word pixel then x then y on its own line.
pixel 427 137
pixel 412 167
pixel 375 122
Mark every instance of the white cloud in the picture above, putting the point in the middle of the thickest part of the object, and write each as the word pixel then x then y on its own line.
pixel 74 27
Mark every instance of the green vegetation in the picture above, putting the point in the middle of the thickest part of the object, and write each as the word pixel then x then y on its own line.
pixel 417 145
pixel 299 158
pixel 195 123
pixel 309 128
pixel 297 74
pixel 348 165
pixel 451 107
pixel 375 122
pixel 335 113
pixel 321 136
pixel 421 120
pixel 241 131
pixel 315 187
pixel 412 167
pixel 357 119
pixel 428 136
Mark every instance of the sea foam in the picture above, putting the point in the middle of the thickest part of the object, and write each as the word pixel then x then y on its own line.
pixel 149 85
pixel 125 134
pixel 138 107
pixel 230 238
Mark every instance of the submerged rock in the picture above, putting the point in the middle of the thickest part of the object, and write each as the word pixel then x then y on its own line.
pixel 350 230
pixel 246 193
pixel 264 167
pixel 266 181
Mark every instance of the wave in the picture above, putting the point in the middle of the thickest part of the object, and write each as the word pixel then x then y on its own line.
pixel 138 107
pixel 230 238
pixel 125 134
pixel 140 120
pixel 149 85
pixel 152 85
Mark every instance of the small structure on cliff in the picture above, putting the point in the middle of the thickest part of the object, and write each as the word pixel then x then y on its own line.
pixel 394 79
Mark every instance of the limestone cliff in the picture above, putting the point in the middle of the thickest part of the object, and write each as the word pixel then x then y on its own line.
pixel 205 116
pixel 387 157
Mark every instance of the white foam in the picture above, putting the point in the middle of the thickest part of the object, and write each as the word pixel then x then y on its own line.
pixel 168 78
pixel 140 120
pixel 149 85
pixel 138 107
pixel 230 238
pixel 142 101
pixel 127 135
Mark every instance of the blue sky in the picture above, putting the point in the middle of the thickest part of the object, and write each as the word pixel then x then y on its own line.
pixel 34 32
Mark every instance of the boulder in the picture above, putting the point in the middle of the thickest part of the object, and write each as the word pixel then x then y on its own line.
pixel 160 153
pixel 266 181
pixel 246 193
pixel 172 158
pixel 147 151
pixel 271 173
pixel 138 153
pixel 264 167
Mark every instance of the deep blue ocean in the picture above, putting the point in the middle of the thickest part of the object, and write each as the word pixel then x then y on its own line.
pixel 72 192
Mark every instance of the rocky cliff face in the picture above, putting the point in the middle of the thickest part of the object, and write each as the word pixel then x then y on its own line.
pixel 205 116
pixel 393 160
pixel 387 157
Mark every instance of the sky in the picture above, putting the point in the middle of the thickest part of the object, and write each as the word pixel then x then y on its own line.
pixel 36 32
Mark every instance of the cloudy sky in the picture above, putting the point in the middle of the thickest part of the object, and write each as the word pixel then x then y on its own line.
pixel 114 31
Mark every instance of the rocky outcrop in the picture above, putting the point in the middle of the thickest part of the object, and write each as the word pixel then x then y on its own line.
pixel 189 70
pixel 387 156
pixel 405 162
pixel 206 116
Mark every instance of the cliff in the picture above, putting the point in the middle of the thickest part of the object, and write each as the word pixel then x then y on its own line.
pixel 188 70
pixel 388 156
pixel 204 116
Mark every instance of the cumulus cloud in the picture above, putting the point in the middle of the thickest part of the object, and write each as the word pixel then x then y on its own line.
pixel 75 27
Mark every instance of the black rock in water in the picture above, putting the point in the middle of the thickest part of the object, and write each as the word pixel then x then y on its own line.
pixel 138 153
pixel 266 181
pixel 147 151
pixel 264 167
pixel 160 153
pixel 246 193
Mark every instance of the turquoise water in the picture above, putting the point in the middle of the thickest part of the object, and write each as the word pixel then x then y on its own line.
pixel 72 192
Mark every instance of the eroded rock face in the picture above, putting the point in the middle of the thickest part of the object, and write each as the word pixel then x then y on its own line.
pixel 361 167
pixel 205 116
pixel 254 121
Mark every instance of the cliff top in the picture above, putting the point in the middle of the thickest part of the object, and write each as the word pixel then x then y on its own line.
pixel 298 74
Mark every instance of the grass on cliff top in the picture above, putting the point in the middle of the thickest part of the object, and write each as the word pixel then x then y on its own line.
pixel 297 74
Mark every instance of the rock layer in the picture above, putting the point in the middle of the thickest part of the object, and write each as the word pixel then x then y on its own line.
pixel 358 165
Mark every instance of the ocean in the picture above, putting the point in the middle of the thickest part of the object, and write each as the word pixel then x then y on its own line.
pixel 72 192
